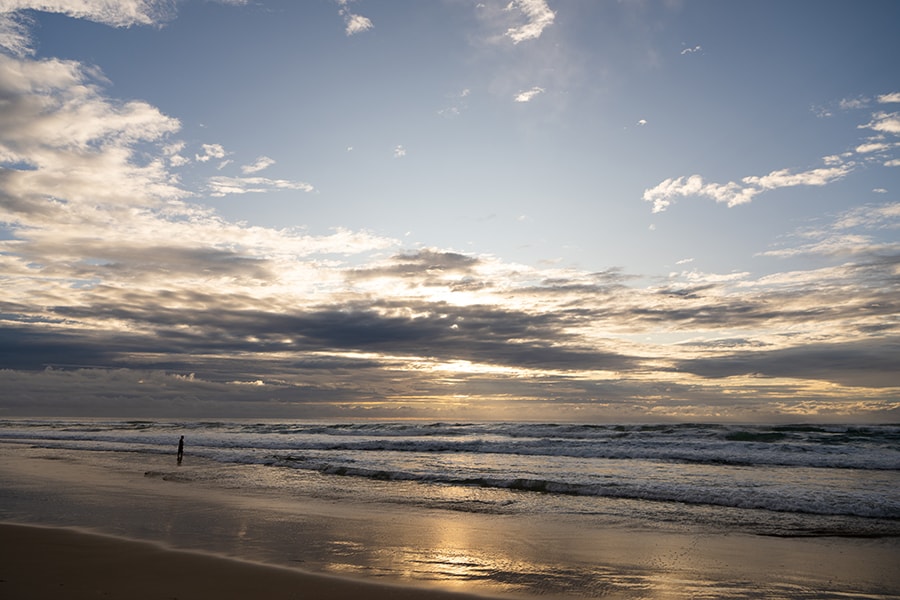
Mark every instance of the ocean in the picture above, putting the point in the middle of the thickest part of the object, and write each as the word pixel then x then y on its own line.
pixel 770 480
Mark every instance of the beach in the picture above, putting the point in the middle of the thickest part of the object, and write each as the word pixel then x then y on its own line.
pixel 126 524
pixel 38 563
pixel 48 563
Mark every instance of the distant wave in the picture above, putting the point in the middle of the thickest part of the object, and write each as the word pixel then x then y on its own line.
pixel 874 447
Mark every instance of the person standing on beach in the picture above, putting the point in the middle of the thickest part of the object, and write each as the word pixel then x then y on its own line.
pixel 180 449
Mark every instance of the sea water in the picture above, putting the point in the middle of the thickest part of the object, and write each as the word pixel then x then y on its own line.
pixel 781 480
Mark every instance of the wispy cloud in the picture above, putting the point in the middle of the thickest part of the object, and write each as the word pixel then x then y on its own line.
pixel 732 193
pixel 538 17
pixel 529 95
pixel 399 151
pixel 459 104
pixel 883 216
pixel 15 35
pixel 691 50
pixel 785 178
pixel 262 163
pixel 852 233
pixel 884 122
pixel 872 147
pixel 223 186
pixel 854 103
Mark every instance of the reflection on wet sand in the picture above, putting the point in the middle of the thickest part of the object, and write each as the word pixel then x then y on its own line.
pixel 457 567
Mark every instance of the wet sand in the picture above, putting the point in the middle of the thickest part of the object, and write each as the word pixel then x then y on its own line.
pixel 38 563
pixel 329 548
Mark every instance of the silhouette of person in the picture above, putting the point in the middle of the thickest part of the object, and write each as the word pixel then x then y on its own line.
pixel 180 449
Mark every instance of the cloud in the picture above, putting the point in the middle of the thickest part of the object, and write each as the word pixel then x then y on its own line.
pixel 458 106
pixel 399 151
pixel 854 103
pixel 210 151
pixel 733 194
pixel 15 34
pixel 892 98
pixel 642 122
pixel 884 122
pixel 852 233
pixel 117 13
pixel 529 95
pixel 691 50
pixel 871 216
pixel 856 364
pixel 538 17
pixel 784 178
pixel 872 147
pixel 431 265
pixel 262 163
pixel 419 319
pixel 354 23
pixel 223 186
pixel 173 153
pixel 61 139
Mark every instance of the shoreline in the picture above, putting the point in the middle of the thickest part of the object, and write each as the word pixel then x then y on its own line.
pixel 351 541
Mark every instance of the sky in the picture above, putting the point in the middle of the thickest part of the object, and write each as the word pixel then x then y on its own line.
pixel 558 210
